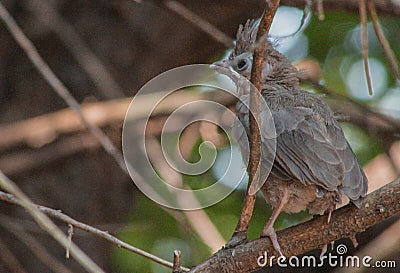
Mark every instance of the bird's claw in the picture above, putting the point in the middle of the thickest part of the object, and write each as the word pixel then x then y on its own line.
pixel 270 232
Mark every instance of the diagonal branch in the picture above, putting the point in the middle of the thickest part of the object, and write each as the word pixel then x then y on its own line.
pixel 47 225
pixel 56 214
pixel 198 22
pixel 90 63
pixel 57 85
pixel 345 222
pixel 383 41
pixel 364 43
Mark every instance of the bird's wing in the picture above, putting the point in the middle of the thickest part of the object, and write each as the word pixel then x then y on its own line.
pixel 313 151
pixel 355 183
pixel 308 150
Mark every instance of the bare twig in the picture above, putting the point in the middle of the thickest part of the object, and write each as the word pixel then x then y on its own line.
pixel 320 10
pixel 93 66
pixel 177 262
pixel 47 224
pixel 70 234
pixel 56 214
pixel 37 131
pixel 364 43
pixel 345 222
pixel 34 245
pixel 199 22
pixel 255 138
pixel 393 63
pixel 57 85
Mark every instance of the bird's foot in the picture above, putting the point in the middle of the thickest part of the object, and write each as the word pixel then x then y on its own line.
pixel 270 232
pixel 237 239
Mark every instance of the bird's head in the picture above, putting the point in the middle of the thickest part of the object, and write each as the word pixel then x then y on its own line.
pixel 276 69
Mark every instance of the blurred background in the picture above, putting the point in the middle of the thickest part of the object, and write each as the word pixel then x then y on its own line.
pixel 104 52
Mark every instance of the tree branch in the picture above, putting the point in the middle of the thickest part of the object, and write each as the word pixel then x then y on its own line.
pixel 56 214
pixel 47 225
pixel 90 63
pixel 345 222
pixel 59 88
pixel 198 22
pixel 254 116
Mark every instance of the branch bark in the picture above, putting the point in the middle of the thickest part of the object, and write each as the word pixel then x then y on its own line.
pixel 345 223
pixel 254 116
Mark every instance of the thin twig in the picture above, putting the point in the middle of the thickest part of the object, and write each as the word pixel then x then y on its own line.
pixel 177 262
pixel 199 22
pixel 364 43
pixel 320 10
pixel 56 214
pixel 90 63
pixel 57 85
pixel 47 224
pixel 34 245
pixel 70 234
pixel 393 63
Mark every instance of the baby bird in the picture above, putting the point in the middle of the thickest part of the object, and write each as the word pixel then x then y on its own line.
pixel 313 164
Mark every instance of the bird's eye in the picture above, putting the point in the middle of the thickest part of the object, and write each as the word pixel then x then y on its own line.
pixel 242 64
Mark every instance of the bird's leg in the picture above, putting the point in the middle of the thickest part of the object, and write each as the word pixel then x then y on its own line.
pixel 268 230
pixel 324 249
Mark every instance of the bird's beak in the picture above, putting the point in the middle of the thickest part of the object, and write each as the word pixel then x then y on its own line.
pixel 219 63
pixel 220 66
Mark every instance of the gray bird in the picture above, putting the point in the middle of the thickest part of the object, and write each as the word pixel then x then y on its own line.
pixel 314 164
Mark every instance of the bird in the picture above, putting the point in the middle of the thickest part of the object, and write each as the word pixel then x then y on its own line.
pixel 314 165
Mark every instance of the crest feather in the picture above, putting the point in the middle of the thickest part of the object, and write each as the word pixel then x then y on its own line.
pixel 245 36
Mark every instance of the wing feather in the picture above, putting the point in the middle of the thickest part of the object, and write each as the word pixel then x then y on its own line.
pixel 311 150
